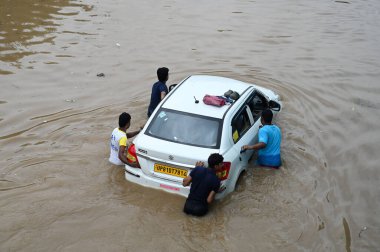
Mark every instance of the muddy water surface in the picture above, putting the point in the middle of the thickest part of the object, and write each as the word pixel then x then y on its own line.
pixel 59 193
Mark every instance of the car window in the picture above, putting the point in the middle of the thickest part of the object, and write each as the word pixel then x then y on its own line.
pixel 185 128
pixel 240 124
pixel 257 103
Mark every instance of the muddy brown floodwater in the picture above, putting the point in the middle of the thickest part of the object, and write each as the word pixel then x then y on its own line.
pixel 59 193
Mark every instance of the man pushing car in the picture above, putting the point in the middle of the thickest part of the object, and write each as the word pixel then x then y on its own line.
pixel 204 185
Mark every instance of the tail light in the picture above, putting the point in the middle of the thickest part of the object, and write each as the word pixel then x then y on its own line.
pixel 224 171
pixel 132 157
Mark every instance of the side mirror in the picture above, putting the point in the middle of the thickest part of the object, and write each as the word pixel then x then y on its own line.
pixel 275 106
pixel 172 86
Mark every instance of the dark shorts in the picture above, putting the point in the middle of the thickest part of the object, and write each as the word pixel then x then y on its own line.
pixel 195 208
pixel 268 166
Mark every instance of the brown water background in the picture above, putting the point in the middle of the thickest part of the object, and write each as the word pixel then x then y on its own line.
pixel 59 193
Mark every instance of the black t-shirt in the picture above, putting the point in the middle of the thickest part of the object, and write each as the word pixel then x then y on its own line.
pixel 155 97
pixel 204 180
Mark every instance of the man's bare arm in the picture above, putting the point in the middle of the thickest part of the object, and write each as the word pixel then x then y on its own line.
pixel 211 197
pixel 132 134
pixel 257 146
pixel 121 154
pixel 186 181
pixel 163 95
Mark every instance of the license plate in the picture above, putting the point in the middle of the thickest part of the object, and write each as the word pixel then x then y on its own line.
pixel 170 170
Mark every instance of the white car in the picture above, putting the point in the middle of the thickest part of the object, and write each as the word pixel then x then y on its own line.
pixel 183 130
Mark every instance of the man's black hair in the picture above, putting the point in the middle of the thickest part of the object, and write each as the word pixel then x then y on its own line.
pixel 267 116
pixel 162 74
pixel 124 119
pixel 215 159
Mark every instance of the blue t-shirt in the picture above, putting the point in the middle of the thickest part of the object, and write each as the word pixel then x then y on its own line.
pixel 270 155
pixel 155 97
pixel 203 181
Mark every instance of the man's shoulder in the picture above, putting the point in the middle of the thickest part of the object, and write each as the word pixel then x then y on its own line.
pixel 162 85
pixel 198 168
pixel 276 128
pixel 156 84
pixel 117 132
pixel 268 128
pixel 212 175
pixel 213 179
pixel 159 85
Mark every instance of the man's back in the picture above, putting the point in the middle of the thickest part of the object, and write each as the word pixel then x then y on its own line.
pixel 204 185
pixel 271 136
pixel 204 181
pixel 155 97
pixel 118 138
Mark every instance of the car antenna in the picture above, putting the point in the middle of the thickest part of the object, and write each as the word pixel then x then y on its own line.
pixel 196 101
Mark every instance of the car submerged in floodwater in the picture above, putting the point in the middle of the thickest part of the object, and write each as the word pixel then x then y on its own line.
pixel 183 130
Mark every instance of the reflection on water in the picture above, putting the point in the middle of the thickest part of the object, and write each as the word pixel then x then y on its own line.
pixel 26 27
pixel 347 235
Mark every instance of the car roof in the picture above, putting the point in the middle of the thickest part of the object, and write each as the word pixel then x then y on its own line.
pixel 182 97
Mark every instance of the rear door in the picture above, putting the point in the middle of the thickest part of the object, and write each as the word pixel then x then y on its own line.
pixel 245 125
pixel 242 132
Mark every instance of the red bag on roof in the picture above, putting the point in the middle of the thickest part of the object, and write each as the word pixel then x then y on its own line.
pixel 214 100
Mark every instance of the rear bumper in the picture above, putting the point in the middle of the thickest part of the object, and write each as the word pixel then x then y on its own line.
pixel 136 175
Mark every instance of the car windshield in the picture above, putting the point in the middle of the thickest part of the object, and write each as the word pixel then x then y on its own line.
pixel 185 128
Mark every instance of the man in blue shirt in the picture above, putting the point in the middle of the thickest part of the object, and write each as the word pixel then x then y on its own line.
pixel 204 185
pixel 159 89
pixel 269 142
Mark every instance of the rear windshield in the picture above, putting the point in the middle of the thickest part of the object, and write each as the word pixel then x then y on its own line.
pixel 185 128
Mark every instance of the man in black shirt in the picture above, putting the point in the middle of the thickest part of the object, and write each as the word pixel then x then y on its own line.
pixel 159 89
pixel 204 185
